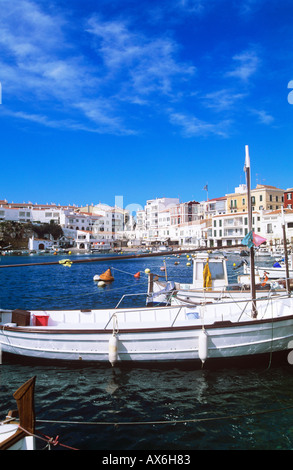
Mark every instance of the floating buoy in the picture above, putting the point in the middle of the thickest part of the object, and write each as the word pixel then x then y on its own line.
pixel 101 284
pixel 137 275
pixel 203 346
pixel 69 252
pixel 113 349
pixel 66 262
pixel 176 262
pixel 107 276
pixel 147 270
pixel 162 268
pixel 188 264
pixel 96 277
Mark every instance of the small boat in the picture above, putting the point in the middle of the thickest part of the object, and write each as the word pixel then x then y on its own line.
pixel 277 271
pixel 217 290
pixel 18 434
pixel 262 253
pixel 100 247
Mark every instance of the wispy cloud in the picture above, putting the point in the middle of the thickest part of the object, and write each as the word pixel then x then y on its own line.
pixel 223 100
pixel 191 126
pixel 263 116
pixel 39 64
pixel 245 65
pixel 148 64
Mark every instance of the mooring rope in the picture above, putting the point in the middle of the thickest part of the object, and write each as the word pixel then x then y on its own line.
pixel 164 422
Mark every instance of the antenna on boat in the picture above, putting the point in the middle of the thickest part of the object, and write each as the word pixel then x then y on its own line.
pixel 251 249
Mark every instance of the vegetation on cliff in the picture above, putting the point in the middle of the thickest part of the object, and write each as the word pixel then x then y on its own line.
pixel 15 235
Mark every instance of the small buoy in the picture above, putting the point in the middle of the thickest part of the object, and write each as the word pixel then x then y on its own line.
pixel 234 264
pixel 188 264
pixel 113 349
pixel 69 252
pixel 147 270
pixel 101 284
pixel 107 276
pixel 203 346
pixel 137 275
pixel 96 277
pixel 162 268
pixel 176 262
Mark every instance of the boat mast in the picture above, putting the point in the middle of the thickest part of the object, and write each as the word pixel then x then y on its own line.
pixel 286 253
pixel 251 249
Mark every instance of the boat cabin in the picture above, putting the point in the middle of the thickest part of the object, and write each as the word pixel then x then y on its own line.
pixel 217 267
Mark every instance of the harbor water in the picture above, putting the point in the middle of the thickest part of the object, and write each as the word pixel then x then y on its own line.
pixel 174 408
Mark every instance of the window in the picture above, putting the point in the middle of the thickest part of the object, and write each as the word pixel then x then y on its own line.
pixel 260 198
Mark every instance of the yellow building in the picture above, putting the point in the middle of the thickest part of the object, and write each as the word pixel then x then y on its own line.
pixel 263 197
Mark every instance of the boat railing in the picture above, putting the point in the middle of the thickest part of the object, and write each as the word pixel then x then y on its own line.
pixel 116 311
pixel 129 295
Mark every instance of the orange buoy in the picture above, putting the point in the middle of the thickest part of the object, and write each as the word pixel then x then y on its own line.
pixel 107 276
pixel 137 275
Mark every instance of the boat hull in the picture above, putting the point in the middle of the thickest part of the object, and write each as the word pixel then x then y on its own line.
pixel 225 339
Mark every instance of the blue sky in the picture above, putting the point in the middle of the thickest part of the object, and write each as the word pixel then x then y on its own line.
pixel 143 99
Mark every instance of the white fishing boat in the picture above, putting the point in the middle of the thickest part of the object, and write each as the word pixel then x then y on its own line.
pixel 262 253
pixel 199 333
pixel 175 333
pixel 277 271
pixel 17 430
pixel 209 284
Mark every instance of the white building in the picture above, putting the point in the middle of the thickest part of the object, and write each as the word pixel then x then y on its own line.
pixel 272 226
pixel 229 229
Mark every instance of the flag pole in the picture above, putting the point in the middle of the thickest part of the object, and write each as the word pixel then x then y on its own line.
pixel 252 266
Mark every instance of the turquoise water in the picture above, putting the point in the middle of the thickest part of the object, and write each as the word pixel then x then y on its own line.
pixel 171 408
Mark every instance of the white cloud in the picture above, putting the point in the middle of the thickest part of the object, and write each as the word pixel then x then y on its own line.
pixel 223 100
pixel 246 64
pixel 192 126
pixel 263 116
pixel 42 68
pixel 148 64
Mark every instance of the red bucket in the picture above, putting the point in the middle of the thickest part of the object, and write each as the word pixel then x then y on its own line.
pixel 41 320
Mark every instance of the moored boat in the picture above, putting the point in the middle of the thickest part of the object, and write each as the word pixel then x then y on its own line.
pixel 17 430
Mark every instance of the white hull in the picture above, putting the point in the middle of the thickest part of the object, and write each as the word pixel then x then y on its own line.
pixel 155 334
pixel 8 431
pixel 272 273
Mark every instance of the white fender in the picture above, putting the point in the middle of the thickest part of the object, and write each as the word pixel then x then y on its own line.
pixel 203 346
pixel 113 349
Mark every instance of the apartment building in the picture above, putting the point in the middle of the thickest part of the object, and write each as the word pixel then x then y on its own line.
pixel 288 198
pixel 272 226
pixel 263 197
pixel 184 212
pixel 230 229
